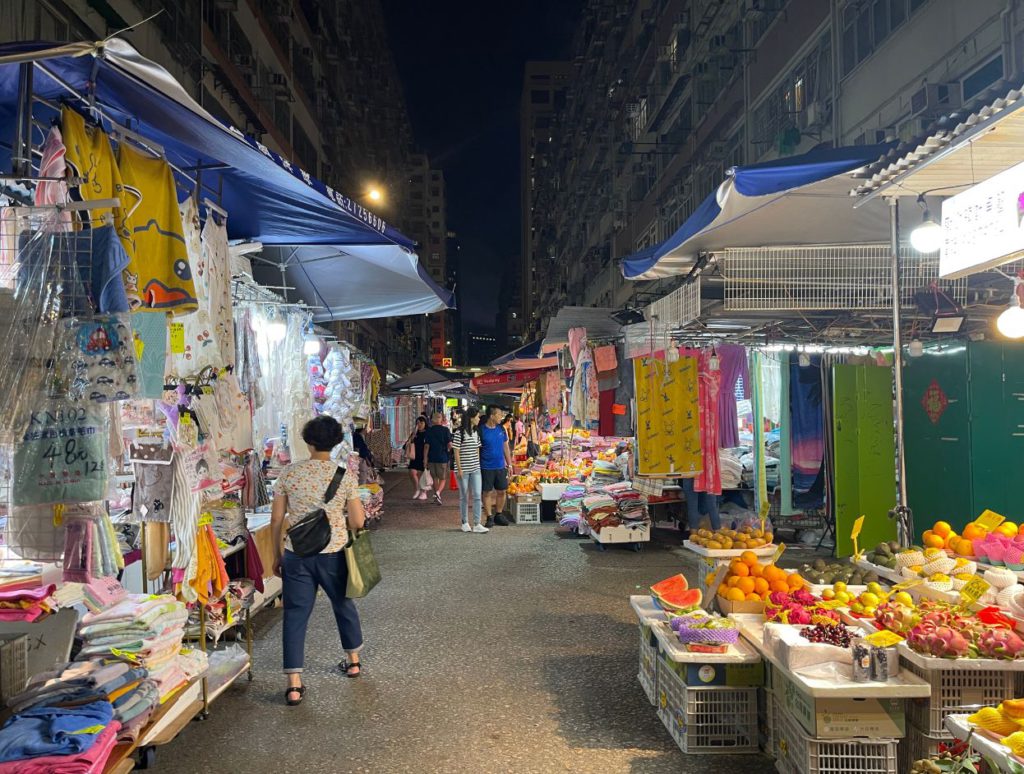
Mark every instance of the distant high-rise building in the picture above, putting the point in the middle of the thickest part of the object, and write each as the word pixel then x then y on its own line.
pixel 482 348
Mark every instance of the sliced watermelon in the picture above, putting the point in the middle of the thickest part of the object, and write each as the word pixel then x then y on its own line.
pixel 675 594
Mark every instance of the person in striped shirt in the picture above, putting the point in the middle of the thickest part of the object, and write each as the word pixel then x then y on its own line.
pixel 466 445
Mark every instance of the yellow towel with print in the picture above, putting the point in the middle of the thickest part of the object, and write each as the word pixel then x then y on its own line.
pixel 90 157
pixel 162 273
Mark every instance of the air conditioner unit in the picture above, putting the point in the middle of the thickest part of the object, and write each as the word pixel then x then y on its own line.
pixel 815 114
pixel 243 61
pixel 935 98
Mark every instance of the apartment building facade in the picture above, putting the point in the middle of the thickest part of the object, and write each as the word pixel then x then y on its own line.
pixel 313 80
pixel 667 95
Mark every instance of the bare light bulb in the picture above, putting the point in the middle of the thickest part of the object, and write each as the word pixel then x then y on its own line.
pixel 311 346
pixel 1011 322
pixel 276 330
pixel 927 238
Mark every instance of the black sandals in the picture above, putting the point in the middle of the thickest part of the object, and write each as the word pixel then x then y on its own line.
pixel 301 690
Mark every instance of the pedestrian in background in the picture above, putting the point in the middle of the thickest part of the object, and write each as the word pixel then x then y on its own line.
pixel 300 490
pixel 466 450
pixel 438 444
pixel 417 460
pixel 495 463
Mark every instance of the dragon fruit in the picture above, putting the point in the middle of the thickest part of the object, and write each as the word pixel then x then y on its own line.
pixel 1000 643
pixel 804 597
pixel 939 641
pixel 779 598
pixel 799 616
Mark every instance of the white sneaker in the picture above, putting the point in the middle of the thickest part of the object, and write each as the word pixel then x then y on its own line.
pixel 437 498
pixel 465 527
pixel 421 496
pixel 478 528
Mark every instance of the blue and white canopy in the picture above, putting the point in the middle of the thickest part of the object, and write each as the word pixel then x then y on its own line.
pixel 527 357
pixel 267 198
pixel 800 200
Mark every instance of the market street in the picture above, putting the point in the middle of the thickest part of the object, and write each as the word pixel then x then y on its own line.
pixel 514 651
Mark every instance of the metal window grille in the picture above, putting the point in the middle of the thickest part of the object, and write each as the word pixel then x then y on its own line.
pixel 678 308
pixel 826 278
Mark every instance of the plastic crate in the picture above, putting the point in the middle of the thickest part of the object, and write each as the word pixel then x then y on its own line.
pixel 648 673
pixel 917 745
pixel 13 664
pixel 797 753
pixel 766 722
pixel 526 512
pixel 955 691
pixel 707 720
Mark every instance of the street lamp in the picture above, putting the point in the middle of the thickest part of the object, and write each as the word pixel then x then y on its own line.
pixel 375 194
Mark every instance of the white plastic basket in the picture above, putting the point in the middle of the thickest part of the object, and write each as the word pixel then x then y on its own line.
pixel 707 719
pixel 797 753
pixel 955 691
pixel 648 673
pixel 917 745
pixel 766 722
pixel 526 512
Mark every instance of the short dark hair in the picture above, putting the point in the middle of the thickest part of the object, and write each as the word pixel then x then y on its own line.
pixel 322 433
pixel 492 410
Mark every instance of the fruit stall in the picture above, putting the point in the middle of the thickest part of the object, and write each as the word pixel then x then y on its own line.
pixel 875 664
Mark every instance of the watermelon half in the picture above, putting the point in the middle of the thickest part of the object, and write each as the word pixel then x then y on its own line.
pixel 674 594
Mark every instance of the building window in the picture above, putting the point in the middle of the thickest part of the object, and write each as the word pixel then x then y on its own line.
pixel 982 78
pixel 867 24
pixel 540 97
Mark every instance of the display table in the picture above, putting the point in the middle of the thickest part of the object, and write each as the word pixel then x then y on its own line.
pixel 882 572
pixel 992 750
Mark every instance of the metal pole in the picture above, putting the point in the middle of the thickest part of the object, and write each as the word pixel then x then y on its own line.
pixel 21 158
pixel 905 524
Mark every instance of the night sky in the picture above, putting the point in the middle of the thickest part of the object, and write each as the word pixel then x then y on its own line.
pixel 461 65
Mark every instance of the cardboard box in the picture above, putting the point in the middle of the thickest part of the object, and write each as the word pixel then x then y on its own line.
pixel 727 606
pixel 840 718
pixel 719 675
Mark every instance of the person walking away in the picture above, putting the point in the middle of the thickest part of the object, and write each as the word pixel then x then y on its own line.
pixel 438 443
pixel 466 450
pixel 495 462
pixel 532 439
pixel 300 489
pixel 367 473
pixel 417 460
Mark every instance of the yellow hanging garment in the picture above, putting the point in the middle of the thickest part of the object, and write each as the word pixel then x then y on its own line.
pixel 162 273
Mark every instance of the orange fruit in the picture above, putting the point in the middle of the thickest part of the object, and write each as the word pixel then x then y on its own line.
pixel 779 585
pixel 761 585
pixel 965 547
pixel 951 538
pixel 723 589
pixel 931 540
pixel 749 558
pixel 709 579
pixel 773 573
pixel 974 531
pixel 942 529
pixel 740 569
pixel 735 595
pixel 753 598
pixel 795 581
pixel 746 585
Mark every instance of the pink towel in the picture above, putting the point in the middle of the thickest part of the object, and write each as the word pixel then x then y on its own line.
pixel 605 359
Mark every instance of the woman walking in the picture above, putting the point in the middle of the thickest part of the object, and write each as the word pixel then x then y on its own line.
pixel 417 460
pixel 300 489
pixel 466 444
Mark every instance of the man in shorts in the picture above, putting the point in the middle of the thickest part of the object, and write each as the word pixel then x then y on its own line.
pixel 495 463
pixel 436 446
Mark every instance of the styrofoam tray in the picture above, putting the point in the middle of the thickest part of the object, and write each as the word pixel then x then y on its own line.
pixel 645 608
pixel 732 553
pixel 740 653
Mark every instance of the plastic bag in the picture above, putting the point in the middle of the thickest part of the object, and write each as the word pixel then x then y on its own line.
pixel 426 481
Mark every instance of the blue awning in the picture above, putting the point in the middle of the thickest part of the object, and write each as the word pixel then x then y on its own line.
pixel 800 200
pixel 527 357
pixel 268 199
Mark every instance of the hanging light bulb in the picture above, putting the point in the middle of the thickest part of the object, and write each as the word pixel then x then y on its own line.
pixel 276 328
pixel 926 238
pixel 311 346
pixel 915 348
pixel 1011 322
pixel 804 360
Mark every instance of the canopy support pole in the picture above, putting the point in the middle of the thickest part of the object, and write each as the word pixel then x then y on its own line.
pixel 22 156
pixel 902 513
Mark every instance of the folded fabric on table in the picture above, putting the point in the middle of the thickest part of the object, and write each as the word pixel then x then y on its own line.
pixel 53 730
pixel 69 685
pixel 130 609
pixel 92 760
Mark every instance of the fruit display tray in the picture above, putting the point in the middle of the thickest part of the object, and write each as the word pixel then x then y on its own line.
pixel 728 553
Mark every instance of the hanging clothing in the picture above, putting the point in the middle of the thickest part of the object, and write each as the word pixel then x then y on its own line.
pixel 201 347
pixel 577 341
pixel 710 479
pixel 760 472
pixel 668 426
pixel 53 165
pixel 90 157
pixel 732 360
pixel 150 341
pixel 771 379
pixel 217 281
pixel 163 275
pixel 807 429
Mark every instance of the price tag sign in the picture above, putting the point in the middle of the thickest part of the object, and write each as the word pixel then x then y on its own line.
pixel 177 338
pixel 973 590
pixel 778 553
pixel 858 525
pixel 883 639
pixel 989 520
pixel 205 519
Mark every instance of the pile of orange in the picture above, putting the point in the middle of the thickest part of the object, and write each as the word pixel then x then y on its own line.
pixel 942 535
pixel 752 581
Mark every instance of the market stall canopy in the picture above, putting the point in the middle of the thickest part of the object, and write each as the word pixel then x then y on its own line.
pixel 425 379
pixel 800 200
pixel 512 381
pixel 597 320
pixel 268 199
pixel 956 154
pixel 527 357
pixel 353 282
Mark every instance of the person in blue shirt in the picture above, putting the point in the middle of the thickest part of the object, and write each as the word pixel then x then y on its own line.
pixel 495 463
pixel 437 445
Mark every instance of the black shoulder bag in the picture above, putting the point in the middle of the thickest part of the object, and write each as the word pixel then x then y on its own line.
pixel 311 534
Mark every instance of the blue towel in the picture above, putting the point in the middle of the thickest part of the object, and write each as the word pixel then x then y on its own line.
pixel 53 731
